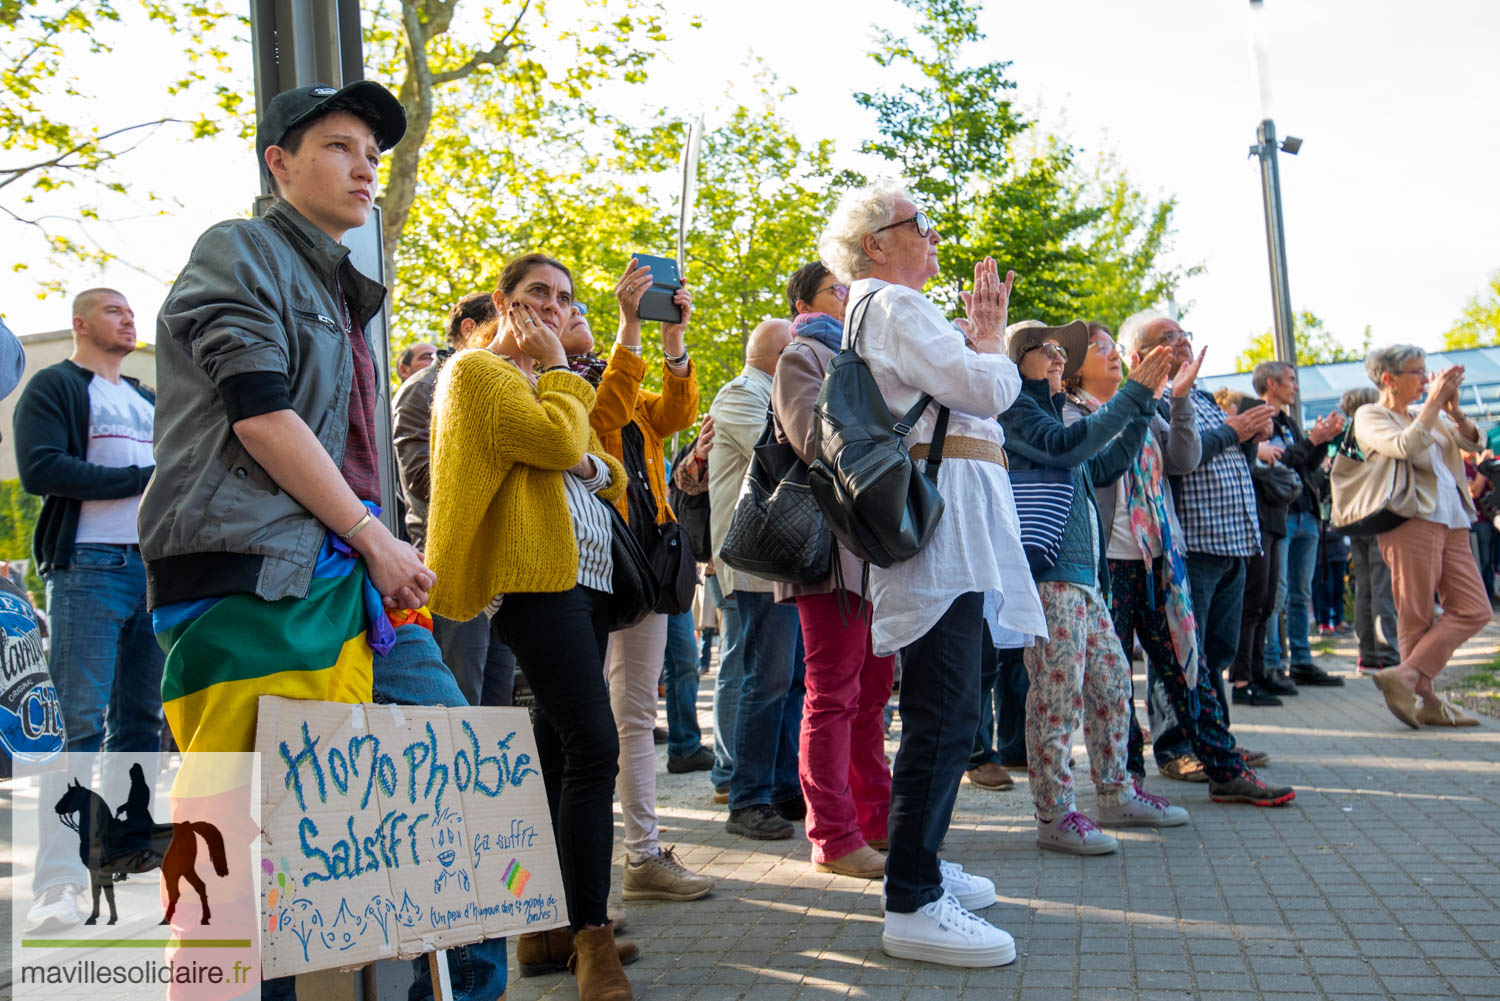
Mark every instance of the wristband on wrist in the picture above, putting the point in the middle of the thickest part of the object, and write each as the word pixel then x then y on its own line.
pixel 677 360
pixel 359 526
pixel 557 368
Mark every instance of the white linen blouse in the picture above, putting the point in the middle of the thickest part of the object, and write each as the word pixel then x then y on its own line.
pixel 911 349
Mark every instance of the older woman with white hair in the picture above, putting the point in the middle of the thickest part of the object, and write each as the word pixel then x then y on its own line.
pixel 934 606
pixel 1429 552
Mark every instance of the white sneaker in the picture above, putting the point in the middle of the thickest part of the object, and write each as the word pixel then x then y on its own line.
pixel 1138 808
pixel 944 932
pixel 973 892
pixel 56 910
pixel 1074 833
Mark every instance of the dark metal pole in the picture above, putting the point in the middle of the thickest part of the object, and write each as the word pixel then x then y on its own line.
pixel 1281 297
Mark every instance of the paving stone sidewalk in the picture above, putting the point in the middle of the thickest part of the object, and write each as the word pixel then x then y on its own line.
pixel 1382 880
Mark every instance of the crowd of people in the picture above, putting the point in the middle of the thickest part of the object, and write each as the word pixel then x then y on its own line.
pixel 244 496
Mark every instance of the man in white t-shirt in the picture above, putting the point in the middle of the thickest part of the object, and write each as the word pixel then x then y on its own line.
pixel 83 436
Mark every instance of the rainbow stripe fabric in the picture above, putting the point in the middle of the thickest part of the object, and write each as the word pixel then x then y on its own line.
pixel 224 653
pixel 515 877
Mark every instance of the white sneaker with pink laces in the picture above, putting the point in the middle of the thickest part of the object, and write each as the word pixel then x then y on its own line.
pixel 1139 808
pixel 1075 834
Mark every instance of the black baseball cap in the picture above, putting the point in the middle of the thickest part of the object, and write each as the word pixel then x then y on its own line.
pixel 292 108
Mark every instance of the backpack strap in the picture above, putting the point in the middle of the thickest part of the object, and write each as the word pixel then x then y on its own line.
pixel 864 301
pixel 935 450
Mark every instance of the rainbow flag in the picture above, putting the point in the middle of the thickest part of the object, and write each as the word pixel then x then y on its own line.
pixel 515 877
pixel 224 653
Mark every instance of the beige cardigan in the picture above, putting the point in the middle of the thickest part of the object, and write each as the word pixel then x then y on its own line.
pixel 1382 431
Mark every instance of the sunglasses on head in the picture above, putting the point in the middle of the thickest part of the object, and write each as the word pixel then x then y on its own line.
pixel 924 224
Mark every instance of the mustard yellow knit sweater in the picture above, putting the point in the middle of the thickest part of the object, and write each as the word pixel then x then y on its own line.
pixel 498 521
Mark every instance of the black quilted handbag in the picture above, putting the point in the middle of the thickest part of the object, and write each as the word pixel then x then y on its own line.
pixel 777 530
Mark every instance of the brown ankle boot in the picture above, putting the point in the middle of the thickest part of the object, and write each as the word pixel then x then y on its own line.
pixel 596 960
pixel 542 952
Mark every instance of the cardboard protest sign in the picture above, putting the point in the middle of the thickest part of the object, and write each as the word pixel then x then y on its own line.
pixel 392 831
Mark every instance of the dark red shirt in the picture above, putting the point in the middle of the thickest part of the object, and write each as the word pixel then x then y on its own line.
pixel 361 468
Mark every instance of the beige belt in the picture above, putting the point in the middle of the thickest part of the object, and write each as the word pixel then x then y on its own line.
pixel 957 446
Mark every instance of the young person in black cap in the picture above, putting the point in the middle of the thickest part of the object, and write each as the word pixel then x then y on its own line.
pixel 267 482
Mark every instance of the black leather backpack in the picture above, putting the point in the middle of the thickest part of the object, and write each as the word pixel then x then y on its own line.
pixel 876 503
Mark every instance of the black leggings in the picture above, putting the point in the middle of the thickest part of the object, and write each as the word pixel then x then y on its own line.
pixel 559 642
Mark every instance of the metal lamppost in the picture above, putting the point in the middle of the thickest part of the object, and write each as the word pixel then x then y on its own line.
pixel 1270 181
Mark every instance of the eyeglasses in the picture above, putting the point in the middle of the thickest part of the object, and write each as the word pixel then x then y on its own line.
pixel 1413 371
pixel 1178 335
pixel 1105 347
pixel 840 292
pixel 1054 351
pixel 924 224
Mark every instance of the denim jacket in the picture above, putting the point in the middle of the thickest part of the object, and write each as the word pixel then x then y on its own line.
pixel 1098 450
pixel 252 325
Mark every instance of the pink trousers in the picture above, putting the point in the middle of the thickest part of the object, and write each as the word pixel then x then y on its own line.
pixel 841 752
pixel 1425 559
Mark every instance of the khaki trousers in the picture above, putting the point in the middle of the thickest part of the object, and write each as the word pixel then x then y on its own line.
pixel 632 666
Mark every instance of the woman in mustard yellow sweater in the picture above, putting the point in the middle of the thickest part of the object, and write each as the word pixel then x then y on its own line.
pixel 514 521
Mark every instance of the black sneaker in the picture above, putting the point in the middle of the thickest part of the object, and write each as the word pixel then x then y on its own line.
pixel 1249 695
pixel 1277 683
pixel 1247 787
pixel 759 822
pixel 700 760
pixel 1311 674
pixel 659 735
pixel 792 809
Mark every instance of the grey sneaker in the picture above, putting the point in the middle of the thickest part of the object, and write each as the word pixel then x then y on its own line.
pixel 56 910
pixel 663 878
pixel 1138 808
pixel 1075 834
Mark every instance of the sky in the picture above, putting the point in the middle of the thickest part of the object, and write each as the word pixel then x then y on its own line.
pixel 1390 208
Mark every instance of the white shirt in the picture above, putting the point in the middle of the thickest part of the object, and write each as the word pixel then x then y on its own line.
pixel 1449 510
pixel 911 349
pixel 119 435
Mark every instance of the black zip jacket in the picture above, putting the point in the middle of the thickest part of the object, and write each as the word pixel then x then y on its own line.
pixel 52 446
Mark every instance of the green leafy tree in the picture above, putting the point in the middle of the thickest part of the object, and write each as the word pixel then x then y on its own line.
pixel 496 85
pixel 996 186
pixel 1316 345
pixel 763 196
pixel 1480 326
pixel 58 175
pixel 18 514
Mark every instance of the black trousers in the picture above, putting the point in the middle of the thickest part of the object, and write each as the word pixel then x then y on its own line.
pixel 1262 574
pixel 939 714
pixel 559 642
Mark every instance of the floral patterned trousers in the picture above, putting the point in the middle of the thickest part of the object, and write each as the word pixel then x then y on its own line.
pixel 1079 676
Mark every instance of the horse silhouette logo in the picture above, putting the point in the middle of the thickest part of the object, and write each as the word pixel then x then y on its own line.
pixel 113 846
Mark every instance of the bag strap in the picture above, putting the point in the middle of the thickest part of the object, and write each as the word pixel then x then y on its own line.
pixel 935 450
pixel 854 337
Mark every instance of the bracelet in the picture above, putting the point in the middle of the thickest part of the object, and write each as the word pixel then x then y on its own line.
pixel 557 368
pixel 680 359
pixel 358 527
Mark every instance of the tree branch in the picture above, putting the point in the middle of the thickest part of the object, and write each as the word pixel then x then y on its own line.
pixel 493 56
pixel 13 174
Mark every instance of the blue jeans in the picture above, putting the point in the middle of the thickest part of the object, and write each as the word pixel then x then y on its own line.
pixel 770 707
pixel 413 674
pixel 939 714
pixel 484 666
pixel 1299 560
pixel 106 665
pixel 727 686
pixel 680 672
pixel 1218 586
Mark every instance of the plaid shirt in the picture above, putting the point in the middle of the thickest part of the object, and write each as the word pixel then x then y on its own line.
pixel 1216 504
